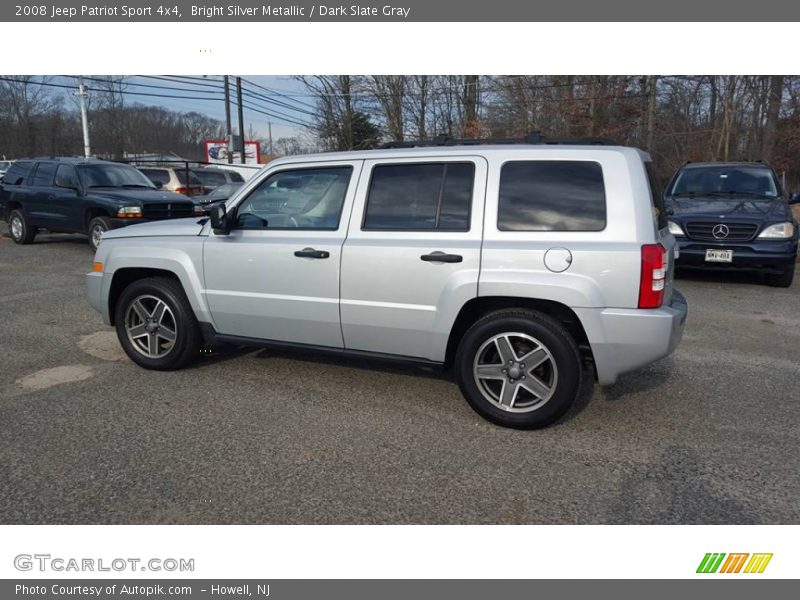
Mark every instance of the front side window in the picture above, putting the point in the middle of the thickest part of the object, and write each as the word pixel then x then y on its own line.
pixel 66 177
pixel 296 199
pixel 551 195
pixel 420 196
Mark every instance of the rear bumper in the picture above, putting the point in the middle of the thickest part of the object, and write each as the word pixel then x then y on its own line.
pixel 762 256
pixel 624 339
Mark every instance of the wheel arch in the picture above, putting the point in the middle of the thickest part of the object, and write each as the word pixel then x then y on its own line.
pixel 92 212
pixel 480 306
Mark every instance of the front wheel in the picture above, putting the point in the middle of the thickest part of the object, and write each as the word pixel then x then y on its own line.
pixel 156 325
pixel 97 227
pixel 519 368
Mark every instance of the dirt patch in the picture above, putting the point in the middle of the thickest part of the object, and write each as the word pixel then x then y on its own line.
pixel 103 345
pixel 47 378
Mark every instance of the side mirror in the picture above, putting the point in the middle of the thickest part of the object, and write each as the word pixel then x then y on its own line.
pixel 794 198
pixel 220 220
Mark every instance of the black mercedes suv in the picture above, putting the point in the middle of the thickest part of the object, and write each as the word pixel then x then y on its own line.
pixel 733 215
pixel 77 195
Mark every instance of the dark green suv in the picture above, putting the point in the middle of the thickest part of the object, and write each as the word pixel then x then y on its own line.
pixel 76 195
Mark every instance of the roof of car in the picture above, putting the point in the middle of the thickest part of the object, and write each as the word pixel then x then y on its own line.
pixel 731 163
pixel 75 160
pixel 455 150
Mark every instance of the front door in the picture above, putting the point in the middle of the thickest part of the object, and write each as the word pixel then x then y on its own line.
pixel 275 276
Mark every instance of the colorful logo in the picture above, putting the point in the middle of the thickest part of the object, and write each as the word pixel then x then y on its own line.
pixel 734 563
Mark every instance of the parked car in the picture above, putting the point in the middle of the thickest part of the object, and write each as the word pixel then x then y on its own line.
pixel 76 195
pixel 512 264
pixel 212 178
pixel 220 194
pixel 733 215
pixel 174 179
pixel 4 166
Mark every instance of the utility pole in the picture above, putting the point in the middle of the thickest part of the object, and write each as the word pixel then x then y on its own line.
pixel 228 121
pixel 241 118
pixel 270 138
pixel 82 94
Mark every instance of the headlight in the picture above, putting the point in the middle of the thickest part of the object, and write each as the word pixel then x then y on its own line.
pixel 675 229
pixel 778 231
pixel 129 212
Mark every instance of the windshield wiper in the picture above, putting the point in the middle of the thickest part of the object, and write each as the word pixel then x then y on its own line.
pixel 137 185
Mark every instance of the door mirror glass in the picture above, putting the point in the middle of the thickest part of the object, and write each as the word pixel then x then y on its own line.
pixel 220 219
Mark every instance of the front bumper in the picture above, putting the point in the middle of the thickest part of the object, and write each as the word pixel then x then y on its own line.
pixel 773 255
pixel 96 292
pixel 625 339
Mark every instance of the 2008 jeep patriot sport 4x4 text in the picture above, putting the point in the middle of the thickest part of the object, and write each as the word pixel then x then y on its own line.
pixel 510 263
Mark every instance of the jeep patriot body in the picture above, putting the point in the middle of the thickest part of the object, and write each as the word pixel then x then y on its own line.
pixel 512 264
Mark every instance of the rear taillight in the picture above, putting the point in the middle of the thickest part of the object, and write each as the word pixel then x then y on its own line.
pixel 182 190
pixel 654 276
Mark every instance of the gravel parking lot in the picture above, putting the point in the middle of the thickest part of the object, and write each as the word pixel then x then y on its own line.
pixel 709 435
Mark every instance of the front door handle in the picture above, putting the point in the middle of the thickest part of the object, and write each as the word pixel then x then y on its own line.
pixel 311 253
pixel 439 256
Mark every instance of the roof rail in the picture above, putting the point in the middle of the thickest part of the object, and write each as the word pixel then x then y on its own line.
pixel 534 137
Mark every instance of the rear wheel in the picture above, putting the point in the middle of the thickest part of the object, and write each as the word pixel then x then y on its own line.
pixel 97 227
pixel 781 279
pixel 519 368
pixel 156 325
pixel 19 228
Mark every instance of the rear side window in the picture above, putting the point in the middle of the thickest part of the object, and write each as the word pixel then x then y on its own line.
pixel 16 174
pixel 550 195
pixel 181 175
pixel 210 177
pixel 419 197
pixel 157 175
pixel 44 174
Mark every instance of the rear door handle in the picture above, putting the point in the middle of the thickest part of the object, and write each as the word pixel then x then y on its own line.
pixel 311 253
pixel 439 256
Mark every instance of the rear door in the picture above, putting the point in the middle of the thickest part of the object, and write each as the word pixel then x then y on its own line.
pixel 42 211
pixel 412 255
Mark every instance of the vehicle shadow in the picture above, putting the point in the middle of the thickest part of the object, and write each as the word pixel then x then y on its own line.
pixel 211 355
pixel 673 488
pixel 720 276
pixel 642 380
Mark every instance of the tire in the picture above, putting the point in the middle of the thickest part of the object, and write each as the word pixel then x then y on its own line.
pixel 97 227
pixel 136 334
pixel 529 333
pixel 19 228
pixel 783 280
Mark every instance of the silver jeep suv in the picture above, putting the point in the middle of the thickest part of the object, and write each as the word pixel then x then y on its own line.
pixel 511 264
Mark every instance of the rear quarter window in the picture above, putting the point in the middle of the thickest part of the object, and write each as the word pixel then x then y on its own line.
pixel 16 174
pixel 551 195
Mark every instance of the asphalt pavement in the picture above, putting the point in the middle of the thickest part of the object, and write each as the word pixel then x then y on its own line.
pixel 708 435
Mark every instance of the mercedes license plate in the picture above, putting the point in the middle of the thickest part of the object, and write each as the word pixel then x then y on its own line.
pixel 724 256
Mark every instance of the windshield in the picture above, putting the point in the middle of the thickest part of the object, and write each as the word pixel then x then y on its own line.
pixel 113 175
pixel 756 182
